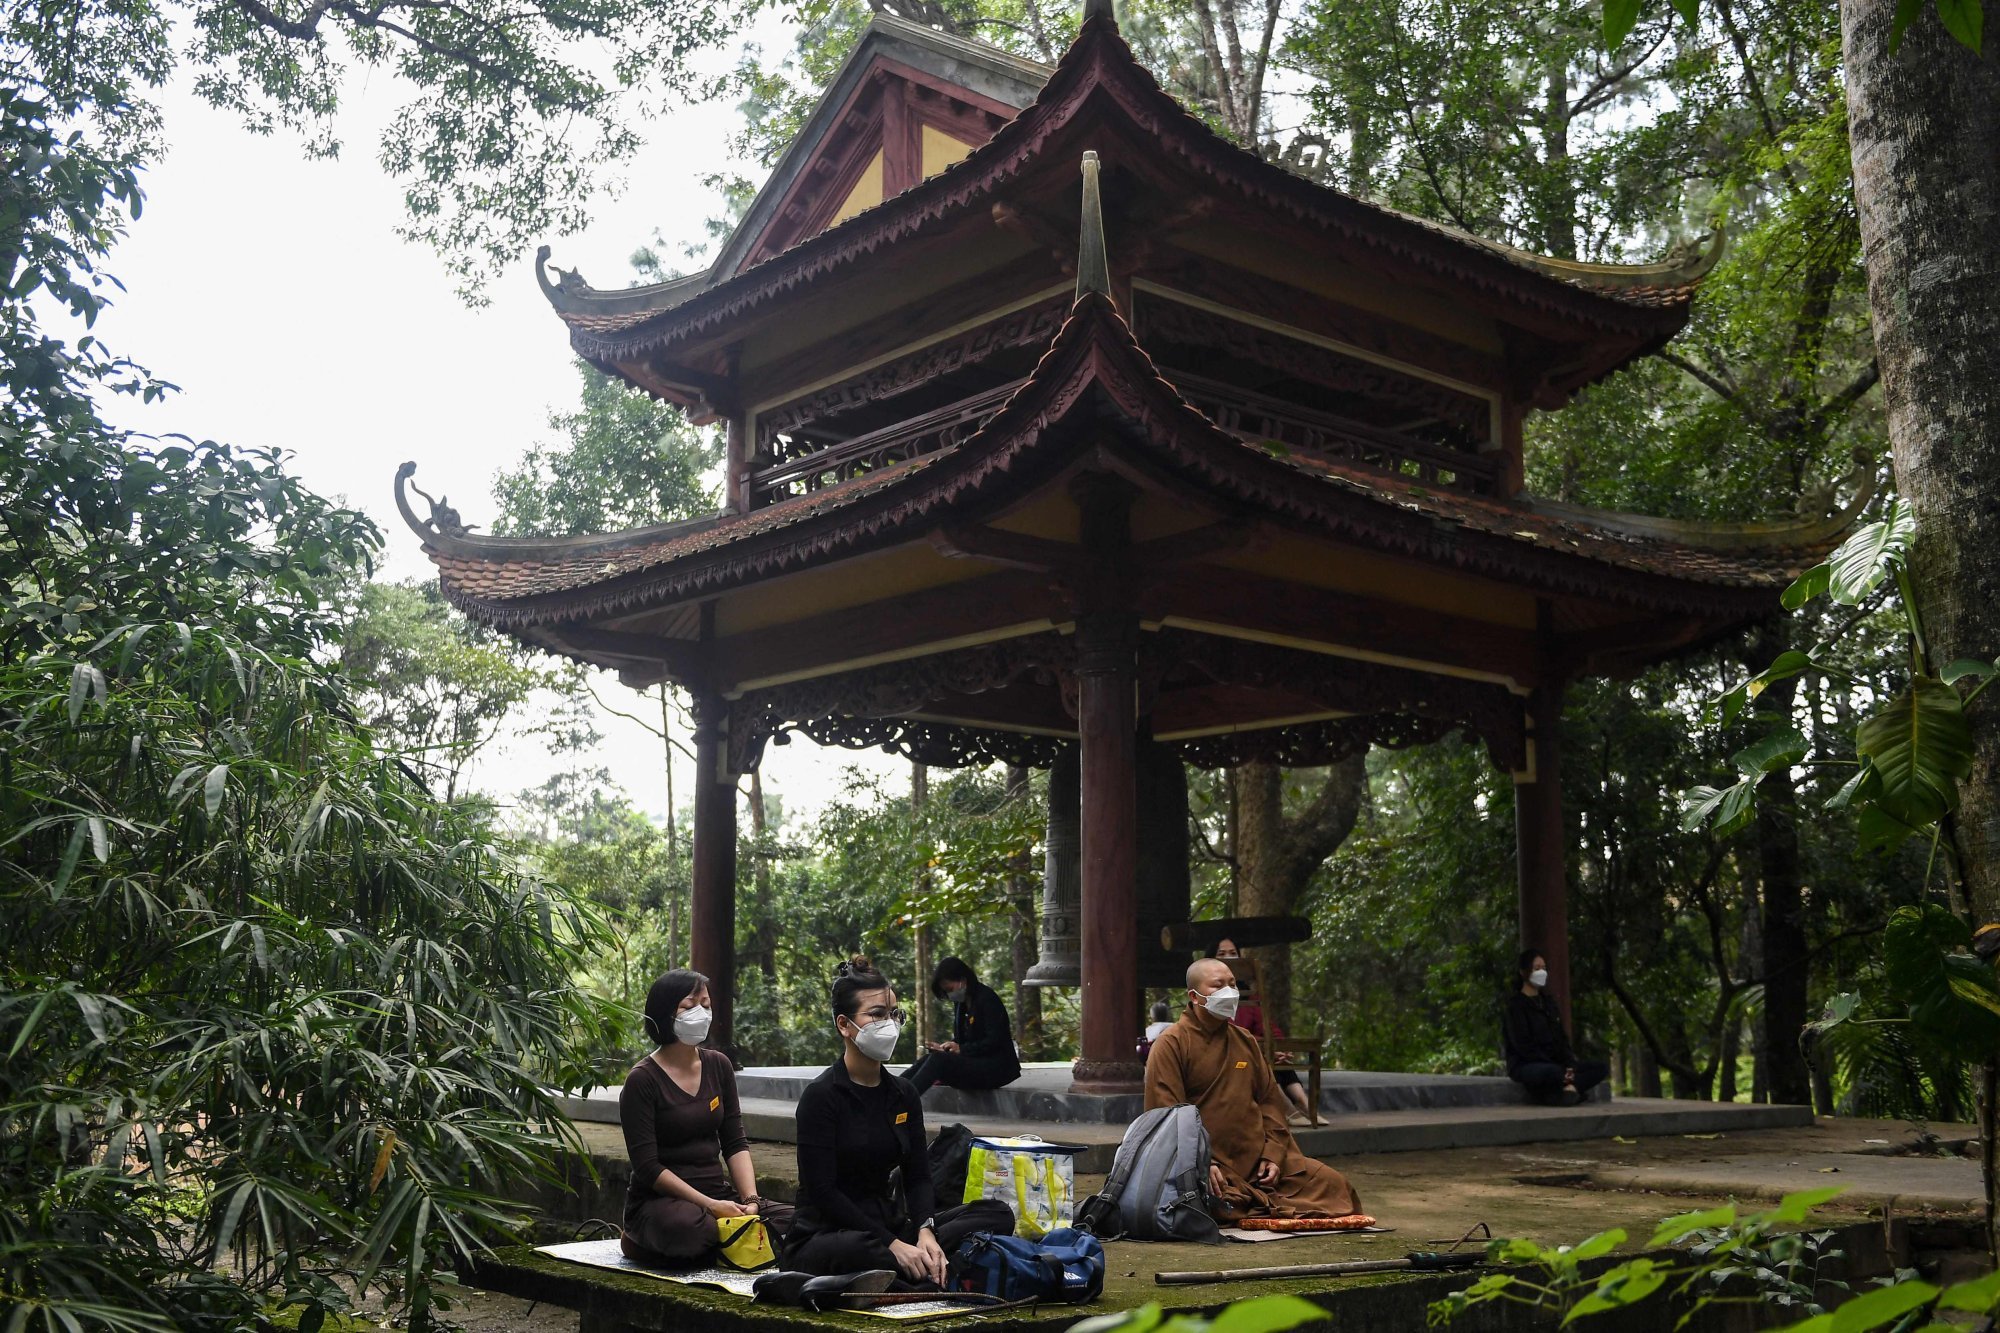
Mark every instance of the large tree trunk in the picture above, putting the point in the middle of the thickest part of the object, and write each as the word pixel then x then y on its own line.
pixel 766 929
pixel 1276 856
pixel 920 793
pixel 1924 128
pixel 1022 892
pixel 1785 963
pixel 1924 125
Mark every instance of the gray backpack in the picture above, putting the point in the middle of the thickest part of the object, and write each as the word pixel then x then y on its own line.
pixel 1158 1186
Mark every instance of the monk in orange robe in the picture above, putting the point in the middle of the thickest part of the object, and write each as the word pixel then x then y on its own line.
pixel 1256 1168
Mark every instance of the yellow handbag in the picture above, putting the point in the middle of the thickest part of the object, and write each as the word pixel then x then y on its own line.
pixel 746 1243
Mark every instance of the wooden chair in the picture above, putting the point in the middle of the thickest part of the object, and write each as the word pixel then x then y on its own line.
pixel 1312 1048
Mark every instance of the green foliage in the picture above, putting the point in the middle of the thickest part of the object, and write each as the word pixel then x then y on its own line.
pixel 1730 1259
pixel 1760 1259
pixel 1497 119
pixel 1912 749
pixel 513 116
pixel 1259 1314
pixel 271 1013
pixel 624 461
pixel 318 1009
pixel 1963 19
pixel 1433 862
pixel 432 685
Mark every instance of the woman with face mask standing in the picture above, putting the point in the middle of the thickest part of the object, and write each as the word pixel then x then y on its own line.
pixel 980 1054
pixel 1538 1052
pixel 858 1123
pixel 684 1134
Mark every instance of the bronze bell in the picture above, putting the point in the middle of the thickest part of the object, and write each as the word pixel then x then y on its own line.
pixel 1163 889
pixel 1061 963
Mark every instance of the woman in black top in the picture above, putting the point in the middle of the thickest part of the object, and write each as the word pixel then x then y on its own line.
pixel 981 1053
pixel 684 1134
pixel 858 1124
pixel 1539 1057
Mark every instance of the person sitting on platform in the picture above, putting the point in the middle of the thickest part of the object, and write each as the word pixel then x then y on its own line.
pixel 683 1128
pixel 1163 1018
pixel 1255 1167
pixel 980 1055
pixel 1539 1057
pixel 1250 1017
pixel 857 1124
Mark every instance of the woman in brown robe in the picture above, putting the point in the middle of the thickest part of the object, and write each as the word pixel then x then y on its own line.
pixel 1256 1168
pixel 684 1134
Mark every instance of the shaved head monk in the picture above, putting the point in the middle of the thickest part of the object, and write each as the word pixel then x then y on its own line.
pixel 1255 1168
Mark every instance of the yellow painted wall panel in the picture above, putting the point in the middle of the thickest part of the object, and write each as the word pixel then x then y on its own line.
pixel 867 191
pixel 941 150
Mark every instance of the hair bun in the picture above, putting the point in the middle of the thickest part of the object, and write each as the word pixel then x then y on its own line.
pixel 856 965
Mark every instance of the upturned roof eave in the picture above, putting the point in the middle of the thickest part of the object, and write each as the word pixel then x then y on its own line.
pixel 1099 57
pixel 1095 355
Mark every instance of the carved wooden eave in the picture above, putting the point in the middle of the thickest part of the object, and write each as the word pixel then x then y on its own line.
pixel 1099 91
pixel 1096 398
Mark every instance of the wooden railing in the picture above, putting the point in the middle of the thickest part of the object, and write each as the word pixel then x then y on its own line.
pixel 801 468
pixel 1255 417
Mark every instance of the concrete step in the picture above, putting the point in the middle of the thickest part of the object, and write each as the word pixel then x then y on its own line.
pixel 771 1120
pixel 1042 1094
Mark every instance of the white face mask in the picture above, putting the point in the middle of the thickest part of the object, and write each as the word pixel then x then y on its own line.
pixel 691 1025
pixel 1538 978
pixel 878 1040
pixel 1222 1002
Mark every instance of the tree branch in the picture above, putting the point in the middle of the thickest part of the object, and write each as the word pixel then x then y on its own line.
pixel 1713 382
pixel 1843 402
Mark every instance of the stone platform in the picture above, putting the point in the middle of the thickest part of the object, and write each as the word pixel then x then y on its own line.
pixel 1363 1113
pixel 1898 1211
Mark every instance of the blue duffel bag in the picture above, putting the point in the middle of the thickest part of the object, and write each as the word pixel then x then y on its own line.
pixel 1064 1266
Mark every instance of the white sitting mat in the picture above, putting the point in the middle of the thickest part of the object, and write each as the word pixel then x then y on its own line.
pixel 609 1254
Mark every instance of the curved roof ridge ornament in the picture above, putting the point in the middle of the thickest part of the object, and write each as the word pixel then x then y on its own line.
pixel 446 533
pixel 1683 265
pixel 1806 530
pixel 1093 264
pixel 443 522
pixel 569 293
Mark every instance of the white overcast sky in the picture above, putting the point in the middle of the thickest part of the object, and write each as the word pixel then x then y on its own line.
pixel 274 291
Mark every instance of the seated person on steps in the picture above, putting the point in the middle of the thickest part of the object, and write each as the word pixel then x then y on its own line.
pixel 1162 1015
pixel 1250 1017
pixel 1539 1057
pixel 980 1055
pixel 684 1134
pixel 1256 1168
pixel 857 1124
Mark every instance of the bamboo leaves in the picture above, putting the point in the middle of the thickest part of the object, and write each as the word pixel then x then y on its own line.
pixel 313 1018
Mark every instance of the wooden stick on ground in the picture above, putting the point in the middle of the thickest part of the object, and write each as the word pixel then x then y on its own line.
pixel 1422 1260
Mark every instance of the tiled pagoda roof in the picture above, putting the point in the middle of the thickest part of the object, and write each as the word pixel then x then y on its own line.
pixel 1096 374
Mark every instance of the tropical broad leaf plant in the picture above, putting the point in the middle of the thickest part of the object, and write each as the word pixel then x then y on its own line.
pixel 1911 751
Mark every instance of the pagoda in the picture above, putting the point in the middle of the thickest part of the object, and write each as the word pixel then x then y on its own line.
pixel 1063 431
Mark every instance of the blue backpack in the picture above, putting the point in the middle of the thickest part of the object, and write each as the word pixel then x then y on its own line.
pixel 1066 1266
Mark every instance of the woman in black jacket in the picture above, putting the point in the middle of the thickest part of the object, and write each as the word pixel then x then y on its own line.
pixel 1539 1057
pixel 859 1123
pixel 980 1054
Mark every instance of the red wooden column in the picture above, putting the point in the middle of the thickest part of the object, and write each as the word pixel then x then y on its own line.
pixel 1539 842
pixel 712 922
pixel 1106 714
